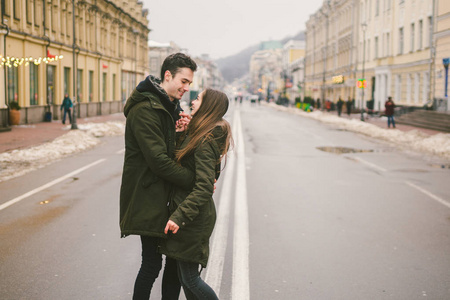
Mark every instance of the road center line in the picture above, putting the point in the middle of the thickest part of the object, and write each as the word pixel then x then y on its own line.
pixel 431 195
pixel 373 166
pixel 240 289
pixel 45 186
pixel 214 271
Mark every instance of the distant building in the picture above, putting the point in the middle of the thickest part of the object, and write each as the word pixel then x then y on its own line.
pixel 293 68
pixel 157 52
pixel 442 35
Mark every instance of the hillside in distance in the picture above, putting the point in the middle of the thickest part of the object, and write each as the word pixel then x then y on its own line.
pixel 237 65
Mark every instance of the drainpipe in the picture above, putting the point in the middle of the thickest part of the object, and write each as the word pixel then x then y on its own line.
pixel 432 57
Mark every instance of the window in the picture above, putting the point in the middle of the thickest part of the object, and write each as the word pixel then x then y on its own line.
pixel 34 84
pixel 416 87
pixel 16 8
pixel 51 83
pixel 67 81
pixel 425 87
pixel 114 87
pixel 400 41
pixel 398 87
pixel 376 47
pixel 80 85
pixel 37 13
pixel 13 84
pixel 104 87
pixel 413 33
pixel 408 88
pixel 420 35
pixel 28 11
pixel 377 8
pixel 430 26
pixel 388 44
pixel 91 85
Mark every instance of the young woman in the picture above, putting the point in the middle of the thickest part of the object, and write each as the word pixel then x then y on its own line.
pixel 192 213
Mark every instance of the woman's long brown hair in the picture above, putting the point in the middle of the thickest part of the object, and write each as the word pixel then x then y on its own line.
pixel 209 115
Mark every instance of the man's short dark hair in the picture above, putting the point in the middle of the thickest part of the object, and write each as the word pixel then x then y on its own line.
pixel 176 61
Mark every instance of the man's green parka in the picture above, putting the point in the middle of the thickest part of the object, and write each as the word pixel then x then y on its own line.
pixel 149 171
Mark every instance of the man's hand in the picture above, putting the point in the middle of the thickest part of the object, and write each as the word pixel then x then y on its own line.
pixel 172 226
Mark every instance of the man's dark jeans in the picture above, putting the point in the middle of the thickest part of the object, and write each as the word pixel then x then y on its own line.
pixel 67 111
pixel 150 267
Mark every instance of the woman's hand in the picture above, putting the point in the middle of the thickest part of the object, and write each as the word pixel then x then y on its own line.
pixel 172 226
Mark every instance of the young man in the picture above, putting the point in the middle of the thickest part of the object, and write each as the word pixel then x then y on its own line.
pixel 149 169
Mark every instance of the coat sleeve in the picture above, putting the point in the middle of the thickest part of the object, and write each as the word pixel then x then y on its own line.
pixel 206 156
pixel 148 131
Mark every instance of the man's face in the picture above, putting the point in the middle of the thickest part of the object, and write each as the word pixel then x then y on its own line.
pixel 176 86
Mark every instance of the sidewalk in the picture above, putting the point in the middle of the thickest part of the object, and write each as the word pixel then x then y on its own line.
pixel 382 123
pixel 24 136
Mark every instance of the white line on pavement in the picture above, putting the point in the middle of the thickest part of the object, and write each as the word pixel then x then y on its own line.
pixel 240 289
pixel 214 271
pixel 433 196
pixel 373 166
pixel 120 151
pixel 45 186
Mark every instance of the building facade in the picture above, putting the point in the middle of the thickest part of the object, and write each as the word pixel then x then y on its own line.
pixel 96 60
pixel 386 43
pixel 157 53
pixel 331 59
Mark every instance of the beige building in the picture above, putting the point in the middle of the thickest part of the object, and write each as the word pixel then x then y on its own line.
pixel 442 44
pixel 293 68
pixel 37 55
pixel 331 51
pixel 387 43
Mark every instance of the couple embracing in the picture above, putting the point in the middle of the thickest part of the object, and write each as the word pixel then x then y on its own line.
pixel 171 163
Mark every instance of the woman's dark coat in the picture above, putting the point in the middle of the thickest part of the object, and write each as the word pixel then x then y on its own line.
pixel 194 210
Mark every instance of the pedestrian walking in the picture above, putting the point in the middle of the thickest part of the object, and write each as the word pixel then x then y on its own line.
pixel 66 105
pixel 149 169
pixel 390 105
pixel 193 213
pixel 339 105
pixel 349 105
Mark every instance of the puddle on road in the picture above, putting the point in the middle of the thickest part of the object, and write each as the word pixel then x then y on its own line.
pixel 342 150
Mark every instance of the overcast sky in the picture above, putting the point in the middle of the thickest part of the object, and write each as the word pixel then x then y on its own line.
pixel 225 27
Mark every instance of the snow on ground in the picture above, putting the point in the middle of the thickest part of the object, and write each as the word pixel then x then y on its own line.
pixel 18 162
pixel 438 144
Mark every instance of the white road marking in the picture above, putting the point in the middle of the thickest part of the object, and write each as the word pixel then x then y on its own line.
pixel 45 186
pixel 371 165
pixel 121 151
pixel 240 289
pixel 431 195
pixel 214 271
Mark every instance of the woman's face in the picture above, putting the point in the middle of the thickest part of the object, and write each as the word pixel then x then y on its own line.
pixel 196 103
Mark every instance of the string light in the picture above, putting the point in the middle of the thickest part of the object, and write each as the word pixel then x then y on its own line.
pixel 16 61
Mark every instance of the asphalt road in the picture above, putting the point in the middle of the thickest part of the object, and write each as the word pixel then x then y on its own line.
pixel 295 222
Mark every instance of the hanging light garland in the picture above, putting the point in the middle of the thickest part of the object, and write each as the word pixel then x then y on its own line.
pixel 18 61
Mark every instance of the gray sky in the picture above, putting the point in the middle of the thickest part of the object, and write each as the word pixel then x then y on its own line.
pixel 222 28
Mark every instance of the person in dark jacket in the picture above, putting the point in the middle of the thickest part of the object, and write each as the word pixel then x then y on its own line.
pixel 349 105
pixel 66 105
pixel 339 104
pixel 149 169
pixel 193 213
pixel 389 105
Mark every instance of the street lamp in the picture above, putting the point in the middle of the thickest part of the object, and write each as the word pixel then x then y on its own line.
pixel 364 28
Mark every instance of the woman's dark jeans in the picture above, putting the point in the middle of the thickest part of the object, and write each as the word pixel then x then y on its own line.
pixel 193 286
pixel 150 267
